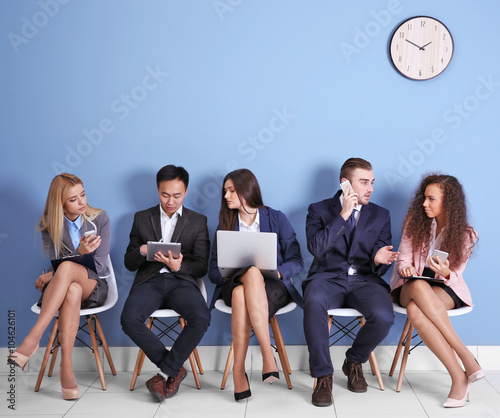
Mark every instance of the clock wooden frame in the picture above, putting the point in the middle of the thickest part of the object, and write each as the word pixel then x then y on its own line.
pixel 421 48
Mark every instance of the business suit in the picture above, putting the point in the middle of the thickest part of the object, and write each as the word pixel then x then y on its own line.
pixel 329 285
pixel 289 261
pixel 177 290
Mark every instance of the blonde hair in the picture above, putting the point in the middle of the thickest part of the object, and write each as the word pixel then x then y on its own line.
pixel 52 219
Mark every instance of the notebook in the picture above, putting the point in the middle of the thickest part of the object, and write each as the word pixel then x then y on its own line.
pixel 236 250
pixel 86 260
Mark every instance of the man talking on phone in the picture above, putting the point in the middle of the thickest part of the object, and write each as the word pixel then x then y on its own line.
pixel 167 281
pixel 350 239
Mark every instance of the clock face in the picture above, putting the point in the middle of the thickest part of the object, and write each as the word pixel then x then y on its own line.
pixel 421 48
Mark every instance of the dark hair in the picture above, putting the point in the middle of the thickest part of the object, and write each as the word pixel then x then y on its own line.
pixel 351 164
pixel 247 187
pixel 457 233
pixel 171 172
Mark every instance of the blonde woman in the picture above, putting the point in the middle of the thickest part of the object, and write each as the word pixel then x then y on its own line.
pixel 69 226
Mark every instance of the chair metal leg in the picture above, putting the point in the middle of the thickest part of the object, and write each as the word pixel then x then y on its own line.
pixel 100 333
pixel 405 359
pixel 404 335
pixel 95 348
pixel 228 366
pixel 47 354
pixel 280 345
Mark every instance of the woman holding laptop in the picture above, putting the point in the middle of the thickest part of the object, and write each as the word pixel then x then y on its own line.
pixel 437 220
pixel 253 298
pixel 69 227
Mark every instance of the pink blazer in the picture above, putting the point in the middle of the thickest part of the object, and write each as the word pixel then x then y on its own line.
pixel 408 258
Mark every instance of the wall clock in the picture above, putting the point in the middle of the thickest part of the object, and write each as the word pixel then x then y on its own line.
pixel 421 48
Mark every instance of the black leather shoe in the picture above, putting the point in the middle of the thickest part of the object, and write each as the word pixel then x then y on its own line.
pixel 270 377
pixel 240 396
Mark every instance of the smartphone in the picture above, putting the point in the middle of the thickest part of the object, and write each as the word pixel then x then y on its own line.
pixel 442 255
pixel 89 233
pixel 346 186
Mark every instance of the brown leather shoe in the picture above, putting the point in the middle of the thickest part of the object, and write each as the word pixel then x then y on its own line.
pixel 157 386
pixel 173 383
pixel 355 380
pixel 322 394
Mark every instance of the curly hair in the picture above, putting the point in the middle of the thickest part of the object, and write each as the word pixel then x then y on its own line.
pixel 457 233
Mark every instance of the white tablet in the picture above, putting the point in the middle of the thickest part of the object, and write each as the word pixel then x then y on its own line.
pixel 164 248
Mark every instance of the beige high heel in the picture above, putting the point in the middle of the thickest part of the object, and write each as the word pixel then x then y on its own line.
pixel 458 403
pixel 474 377
pixel 20 360
pixel 70 394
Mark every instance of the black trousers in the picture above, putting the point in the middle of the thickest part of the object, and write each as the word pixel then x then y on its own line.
pixel 165 291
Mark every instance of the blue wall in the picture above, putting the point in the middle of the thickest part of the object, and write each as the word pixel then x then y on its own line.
pixel 113 90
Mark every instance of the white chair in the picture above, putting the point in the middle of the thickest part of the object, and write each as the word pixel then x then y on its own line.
pixel 99 338
pixel 165 330
pixel 406 337
pixel 348 330
pixel 280 345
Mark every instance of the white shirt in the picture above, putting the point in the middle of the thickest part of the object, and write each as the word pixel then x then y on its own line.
pixel 434 242
pixel 356 212
pixel 168 225
pixel 255 227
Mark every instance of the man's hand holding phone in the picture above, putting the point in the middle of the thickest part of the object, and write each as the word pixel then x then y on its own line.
pixel 350 199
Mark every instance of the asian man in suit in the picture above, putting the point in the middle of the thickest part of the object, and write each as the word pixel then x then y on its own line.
pixel 350 239
pixel 167 282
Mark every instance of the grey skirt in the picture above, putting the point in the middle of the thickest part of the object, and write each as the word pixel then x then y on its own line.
pixel 96 298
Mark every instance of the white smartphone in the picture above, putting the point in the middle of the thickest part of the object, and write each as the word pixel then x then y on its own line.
pixel 347 186
pixel 442 255
pixel 89 233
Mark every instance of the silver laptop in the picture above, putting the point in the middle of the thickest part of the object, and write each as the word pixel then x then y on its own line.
pixel 236 249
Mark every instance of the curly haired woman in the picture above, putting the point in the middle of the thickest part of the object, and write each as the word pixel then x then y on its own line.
pixel 437 220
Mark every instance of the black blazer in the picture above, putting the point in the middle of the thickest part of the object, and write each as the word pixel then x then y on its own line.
pixel 191 231
pixel 328 241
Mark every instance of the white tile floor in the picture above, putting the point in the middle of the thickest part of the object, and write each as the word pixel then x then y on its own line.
pixel 422 395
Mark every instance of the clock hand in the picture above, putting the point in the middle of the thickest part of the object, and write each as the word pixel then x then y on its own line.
pixel 426 45
pixel 413 44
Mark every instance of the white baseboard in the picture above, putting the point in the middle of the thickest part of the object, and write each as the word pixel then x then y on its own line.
pixel 214 358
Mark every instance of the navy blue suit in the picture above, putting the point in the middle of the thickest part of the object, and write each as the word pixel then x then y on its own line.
pixel 289 257
pixel 329 286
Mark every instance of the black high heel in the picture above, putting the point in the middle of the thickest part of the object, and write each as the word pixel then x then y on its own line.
pixel 271 377
pixel 240 396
